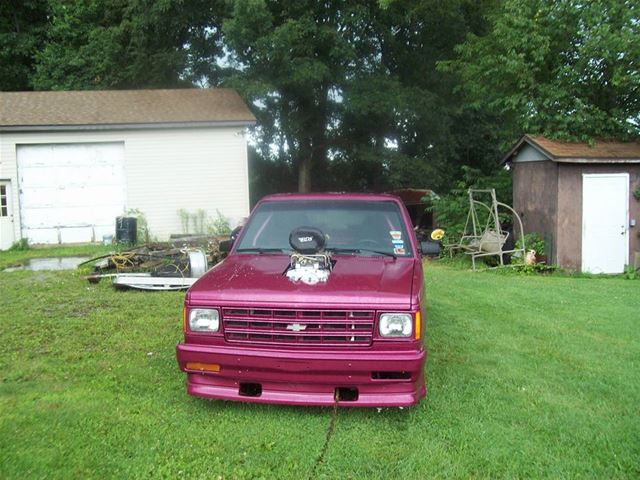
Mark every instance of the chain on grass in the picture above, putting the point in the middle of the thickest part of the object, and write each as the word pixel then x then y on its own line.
pixel 327 439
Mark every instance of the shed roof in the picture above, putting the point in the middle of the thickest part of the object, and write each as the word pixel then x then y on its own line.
pixel 601 151
pixel 94 109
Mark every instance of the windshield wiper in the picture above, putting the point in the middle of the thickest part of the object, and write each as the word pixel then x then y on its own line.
pixel 260 250
pixel 363 250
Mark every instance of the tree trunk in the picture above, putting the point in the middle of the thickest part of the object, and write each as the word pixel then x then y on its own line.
pixel 312 145
pixel 304 172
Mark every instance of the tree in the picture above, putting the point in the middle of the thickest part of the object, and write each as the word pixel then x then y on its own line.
pixel 128 44
pixel 348 93
pixel 564 68
pixel 290 59
pixel 409 101
pixel 22 33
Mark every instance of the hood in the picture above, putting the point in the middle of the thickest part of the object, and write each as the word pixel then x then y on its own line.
pixel 260 279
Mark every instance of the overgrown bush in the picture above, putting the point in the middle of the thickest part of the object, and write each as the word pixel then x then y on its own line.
pixel 219 225
pixel 532 241
pixel 536 268
pixel 142 226
pixel 451 210
pixel 20 245
pixel 198 223
pixel 631 273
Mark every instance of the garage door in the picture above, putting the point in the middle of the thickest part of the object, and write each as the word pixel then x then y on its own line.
pixel 70 192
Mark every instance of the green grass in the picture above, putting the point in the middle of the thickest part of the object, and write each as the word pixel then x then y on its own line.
pixel 527 376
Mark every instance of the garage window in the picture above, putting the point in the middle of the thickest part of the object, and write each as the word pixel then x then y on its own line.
pixel 4 210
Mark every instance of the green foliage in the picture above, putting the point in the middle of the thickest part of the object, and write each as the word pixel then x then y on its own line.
pixel 347 94
pixel 219 225
pixel 143 234
pixel 127 44
pixel 286 60
pixel 533 269
pixel 451 210
pixel 199 218
pixel 199 223
pixel 20 245
pixel 631 273
pixel 566 69
pixel 636 193
pixel 269 175
pixel 23 29
pixel 185 217
pixel 532 241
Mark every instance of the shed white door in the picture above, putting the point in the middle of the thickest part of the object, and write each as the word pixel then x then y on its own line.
pixel 6 216
pixel 605 220
pixel 70 192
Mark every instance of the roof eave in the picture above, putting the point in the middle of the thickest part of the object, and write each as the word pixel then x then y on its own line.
pixel 595 160
pixel 126 126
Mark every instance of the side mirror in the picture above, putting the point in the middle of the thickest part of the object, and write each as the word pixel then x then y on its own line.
pixel 225 246
pixel 235 233
pixel 430 248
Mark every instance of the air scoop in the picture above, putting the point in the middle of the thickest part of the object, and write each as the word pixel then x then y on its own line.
pixel 309 263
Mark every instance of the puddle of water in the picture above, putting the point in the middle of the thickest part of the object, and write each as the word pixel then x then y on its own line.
pixel 52 263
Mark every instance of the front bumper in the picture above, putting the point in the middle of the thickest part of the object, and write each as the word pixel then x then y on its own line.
pixel 305 378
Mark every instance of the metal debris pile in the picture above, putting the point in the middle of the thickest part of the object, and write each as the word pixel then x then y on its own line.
pixel 158 266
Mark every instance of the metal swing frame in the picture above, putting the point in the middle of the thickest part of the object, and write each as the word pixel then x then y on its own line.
pixel 491 239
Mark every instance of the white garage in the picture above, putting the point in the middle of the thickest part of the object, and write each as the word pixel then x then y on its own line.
pixel 71 162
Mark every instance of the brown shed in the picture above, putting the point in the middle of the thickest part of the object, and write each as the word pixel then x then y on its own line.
pixel 581 198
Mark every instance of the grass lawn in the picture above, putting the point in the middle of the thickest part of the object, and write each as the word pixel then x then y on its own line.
pixel 527 377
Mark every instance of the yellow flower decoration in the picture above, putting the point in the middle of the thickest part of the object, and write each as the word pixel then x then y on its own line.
pixel 437 234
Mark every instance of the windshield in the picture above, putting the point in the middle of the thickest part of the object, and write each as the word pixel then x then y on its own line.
pixel 353 227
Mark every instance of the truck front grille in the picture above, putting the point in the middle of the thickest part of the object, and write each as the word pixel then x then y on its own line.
pixel 298 327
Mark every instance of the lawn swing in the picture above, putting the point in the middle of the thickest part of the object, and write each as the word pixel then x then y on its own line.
pixel 483 233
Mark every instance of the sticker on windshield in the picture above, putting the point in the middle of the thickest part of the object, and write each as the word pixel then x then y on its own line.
pixel 395 234
pixel 398 246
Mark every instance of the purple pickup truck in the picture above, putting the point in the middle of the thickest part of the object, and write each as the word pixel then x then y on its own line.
pixel 321 299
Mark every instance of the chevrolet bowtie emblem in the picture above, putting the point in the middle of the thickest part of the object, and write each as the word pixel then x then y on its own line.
pixel 296 327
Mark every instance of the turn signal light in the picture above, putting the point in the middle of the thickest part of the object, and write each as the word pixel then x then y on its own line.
pixel 203 367
pixel 184 319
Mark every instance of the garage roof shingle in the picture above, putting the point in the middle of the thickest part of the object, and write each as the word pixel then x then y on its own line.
pixel 95 108
pixel 601 151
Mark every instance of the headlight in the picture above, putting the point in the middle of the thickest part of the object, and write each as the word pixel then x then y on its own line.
pixel 204 320
pixel 395 324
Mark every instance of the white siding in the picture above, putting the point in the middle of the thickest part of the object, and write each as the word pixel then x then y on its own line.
pixel 530 154
pixel 166 170
pixel 190 170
